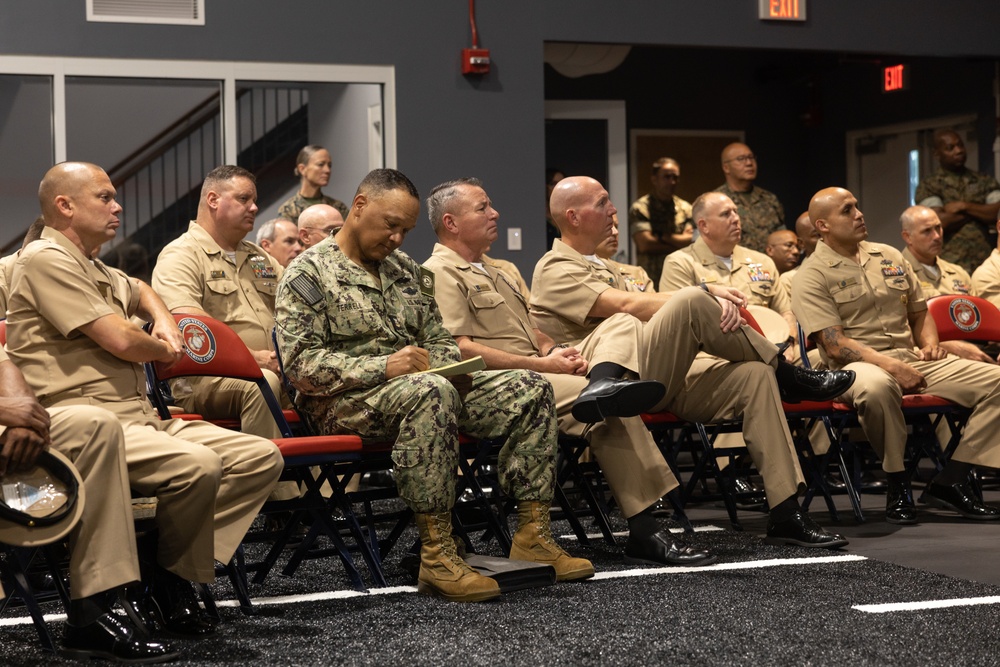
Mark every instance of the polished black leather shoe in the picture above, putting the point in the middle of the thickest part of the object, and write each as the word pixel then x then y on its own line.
pixel 609 397
pixel 176 610
pixel 661 549
pixel 959 498
pixel 800 530
pixel 749 497
pixel 834 483
pixel 113 638
pixel 804 384
pixel 899 507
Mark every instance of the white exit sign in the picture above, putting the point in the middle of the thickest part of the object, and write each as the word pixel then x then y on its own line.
pixel 782 10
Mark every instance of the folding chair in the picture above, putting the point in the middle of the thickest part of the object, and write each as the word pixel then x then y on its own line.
pixel 214 349
pixel 16 563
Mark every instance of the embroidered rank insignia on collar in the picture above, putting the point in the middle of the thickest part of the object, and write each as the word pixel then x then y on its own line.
pixel 218 274
pixel 306 289
pixel 426 281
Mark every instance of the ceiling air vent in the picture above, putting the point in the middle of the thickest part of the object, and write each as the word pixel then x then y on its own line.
pixel 176 12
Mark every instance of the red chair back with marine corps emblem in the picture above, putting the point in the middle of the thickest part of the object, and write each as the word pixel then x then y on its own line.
pixel 962 317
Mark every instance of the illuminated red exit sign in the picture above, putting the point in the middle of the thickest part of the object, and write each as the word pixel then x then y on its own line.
pixel 782 10
pixel 895 77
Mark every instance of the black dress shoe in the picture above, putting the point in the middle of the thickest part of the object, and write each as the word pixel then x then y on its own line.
pixel 176 608
pixel 899 508
pixel 800 530
pixel 661 549
pixel 609 397
pixel 803 384
pixel 834 483
pixel 749 496
pixel 959 498
pixel 113 638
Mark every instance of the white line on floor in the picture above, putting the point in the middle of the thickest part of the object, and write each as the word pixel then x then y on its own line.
pixel 637 572
pixel 925 604
pixel 743 565
pixel 624 533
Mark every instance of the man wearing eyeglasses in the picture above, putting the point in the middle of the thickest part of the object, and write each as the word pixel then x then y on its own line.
pixel 317 223
pixel 759 209
pixel 660 222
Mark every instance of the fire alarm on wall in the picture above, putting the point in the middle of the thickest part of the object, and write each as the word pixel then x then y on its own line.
pixel 475 61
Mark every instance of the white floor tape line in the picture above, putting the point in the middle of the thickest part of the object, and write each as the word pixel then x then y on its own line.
pixel 925 604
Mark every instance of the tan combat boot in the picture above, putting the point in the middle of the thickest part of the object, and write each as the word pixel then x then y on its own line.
pixel 442 570
pixel 533 542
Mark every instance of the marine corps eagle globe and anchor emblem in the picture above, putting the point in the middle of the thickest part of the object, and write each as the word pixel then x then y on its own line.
pixel 199 343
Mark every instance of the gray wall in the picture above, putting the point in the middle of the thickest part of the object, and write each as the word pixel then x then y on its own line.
pixel 492 127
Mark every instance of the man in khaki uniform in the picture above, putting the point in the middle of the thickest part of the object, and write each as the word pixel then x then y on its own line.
pixel 923 235
pixel 574 294
pixel 863 305
pixel 103 554
pixel 488 316
pixel 213 270
pixel 808 238
pixel 717 258
pixel 784 249
pixel 986 277
pixel 635 276
pixel 280 239
pixel 69 332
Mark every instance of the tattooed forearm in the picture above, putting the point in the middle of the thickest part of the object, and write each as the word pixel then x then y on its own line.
pixel 832 339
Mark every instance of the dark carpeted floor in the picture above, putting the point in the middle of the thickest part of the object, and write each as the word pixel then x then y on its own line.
pixel 796 611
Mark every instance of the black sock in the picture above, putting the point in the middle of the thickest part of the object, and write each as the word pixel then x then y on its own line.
pixel 644 523
pixel 607 369
pixel 955 472
pixel 785 509
pixel 85 611
pixel 901 478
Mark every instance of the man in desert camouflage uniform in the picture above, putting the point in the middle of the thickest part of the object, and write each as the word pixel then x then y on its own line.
pixel 966 201
pixel 357 325
pixel 660 222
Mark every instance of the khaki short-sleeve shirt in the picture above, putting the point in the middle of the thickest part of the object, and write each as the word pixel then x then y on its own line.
pixel 951 278
pixel 986 279
pixel 871 300
pixel 54 291
pixel 485 306
pixel 192 271
pixel 565 287
pixel 753 273
pixel 512 272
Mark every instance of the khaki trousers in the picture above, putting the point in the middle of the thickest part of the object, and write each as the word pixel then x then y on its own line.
pixel 630 460
pixel 877 398
pixel 102 547
pixel 209 483
pixel 739 384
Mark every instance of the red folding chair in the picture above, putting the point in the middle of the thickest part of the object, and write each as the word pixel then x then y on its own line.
pixel 213 349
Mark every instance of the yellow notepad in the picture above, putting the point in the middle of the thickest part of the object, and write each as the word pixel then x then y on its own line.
pixel 459 368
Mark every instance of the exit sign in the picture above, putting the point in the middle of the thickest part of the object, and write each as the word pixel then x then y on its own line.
pixel 894 78
pixel 782 10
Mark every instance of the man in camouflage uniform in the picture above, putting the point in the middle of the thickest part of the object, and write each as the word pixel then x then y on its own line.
pixel 660 222
pixel 966 201
pixel 759 209
pixel 357 326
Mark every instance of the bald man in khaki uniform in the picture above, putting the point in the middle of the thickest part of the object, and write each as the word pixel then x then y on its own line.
pixel 103 554
pixel 213 270
pixel 69 331
pixel 863 305
pixel 488 315
pixel 574 293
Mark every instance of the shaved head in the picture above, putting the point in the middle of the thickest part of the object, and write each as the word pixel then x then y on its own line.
pixel 825 202
pixel 319 216
pixel 568 194
pixel 66 178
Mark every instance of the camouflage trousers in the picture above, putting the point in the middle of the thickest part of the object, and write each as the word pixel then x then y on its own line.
pixel 424 414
